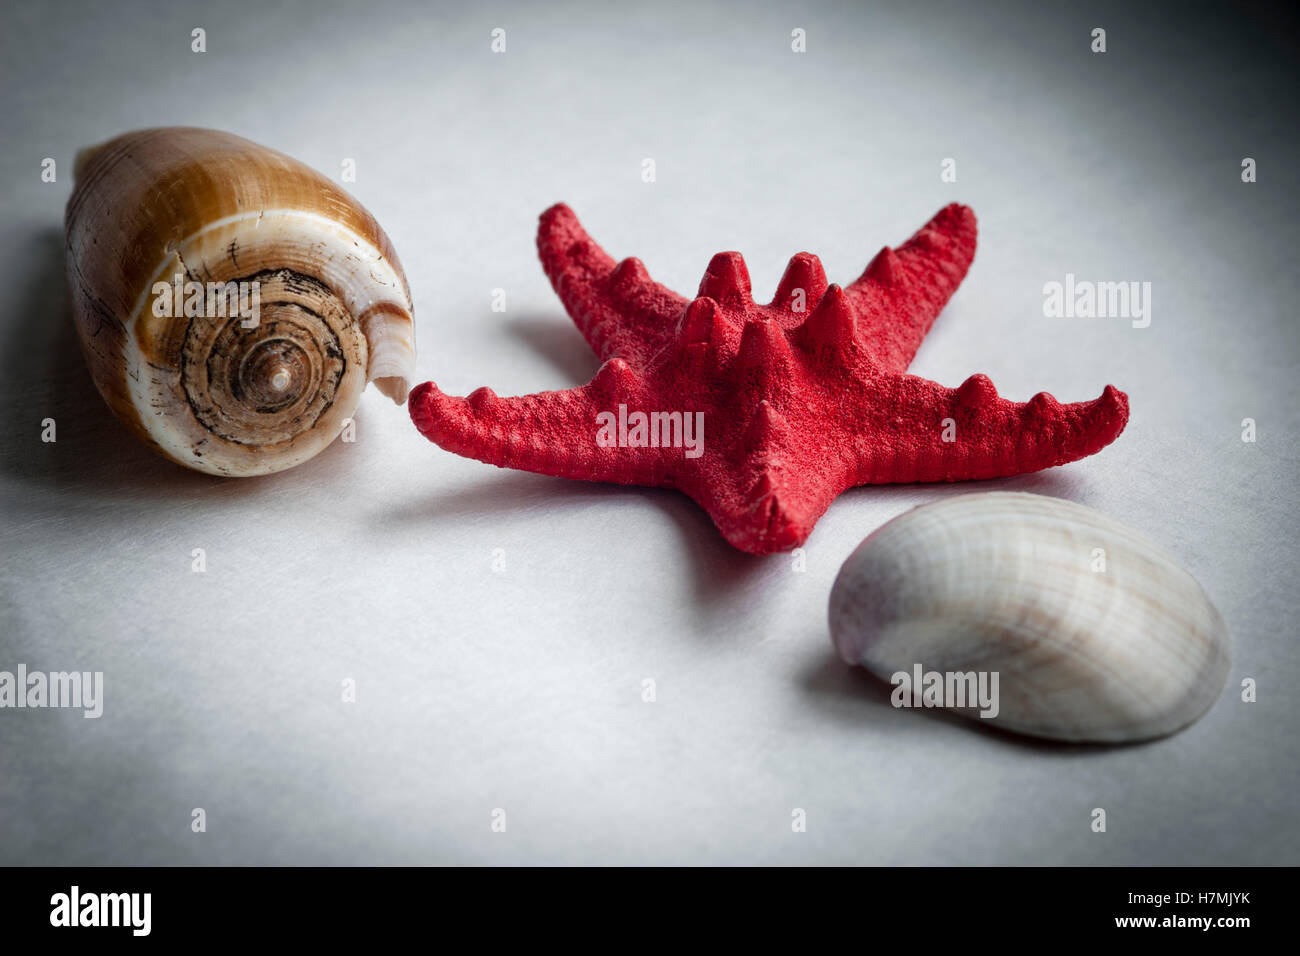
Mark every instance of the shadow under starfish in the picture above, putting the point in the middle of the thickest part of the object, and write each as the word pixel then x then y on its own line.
pixel 802 398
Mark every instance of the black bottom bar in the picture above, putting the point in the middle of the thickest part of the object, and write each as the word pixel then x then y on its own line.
pixel 336 905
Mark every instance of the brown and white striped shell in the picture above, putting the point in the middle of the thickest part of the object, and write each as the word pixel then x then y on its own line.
pixel 226 393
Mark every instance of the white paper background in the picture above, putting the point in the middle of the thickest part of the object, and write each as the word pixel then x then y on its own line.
pixel 522 689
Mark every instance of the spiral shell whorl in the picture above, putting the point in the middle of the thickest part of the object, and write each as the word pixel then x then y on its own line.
pixel 276 380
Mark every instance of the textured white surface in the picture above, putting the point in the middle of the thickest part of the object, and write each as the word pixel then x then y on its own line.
pixel 521 689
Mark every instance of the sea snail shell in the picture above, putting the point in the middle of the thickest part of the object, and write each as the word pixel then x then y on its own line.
pixel 262 389
pixel 1096 634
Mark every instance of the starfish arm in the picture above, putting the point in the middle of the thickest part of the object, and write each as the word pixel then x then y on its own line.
pixel 778 509
pixel 550 433
pixel 768 500
pixel 932 433
pixel 902 291
pixel 618 308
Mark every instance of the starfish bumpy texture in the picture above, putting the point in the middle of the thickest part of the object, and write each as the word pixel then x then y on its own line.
pixel 801 399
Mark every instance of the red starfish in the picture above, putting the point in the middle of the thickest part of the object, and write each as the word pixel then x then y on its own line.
pixel 798 405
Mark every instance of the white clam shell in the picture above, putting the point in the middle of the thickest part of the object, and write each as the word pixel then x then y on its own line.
pixel 1011 583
